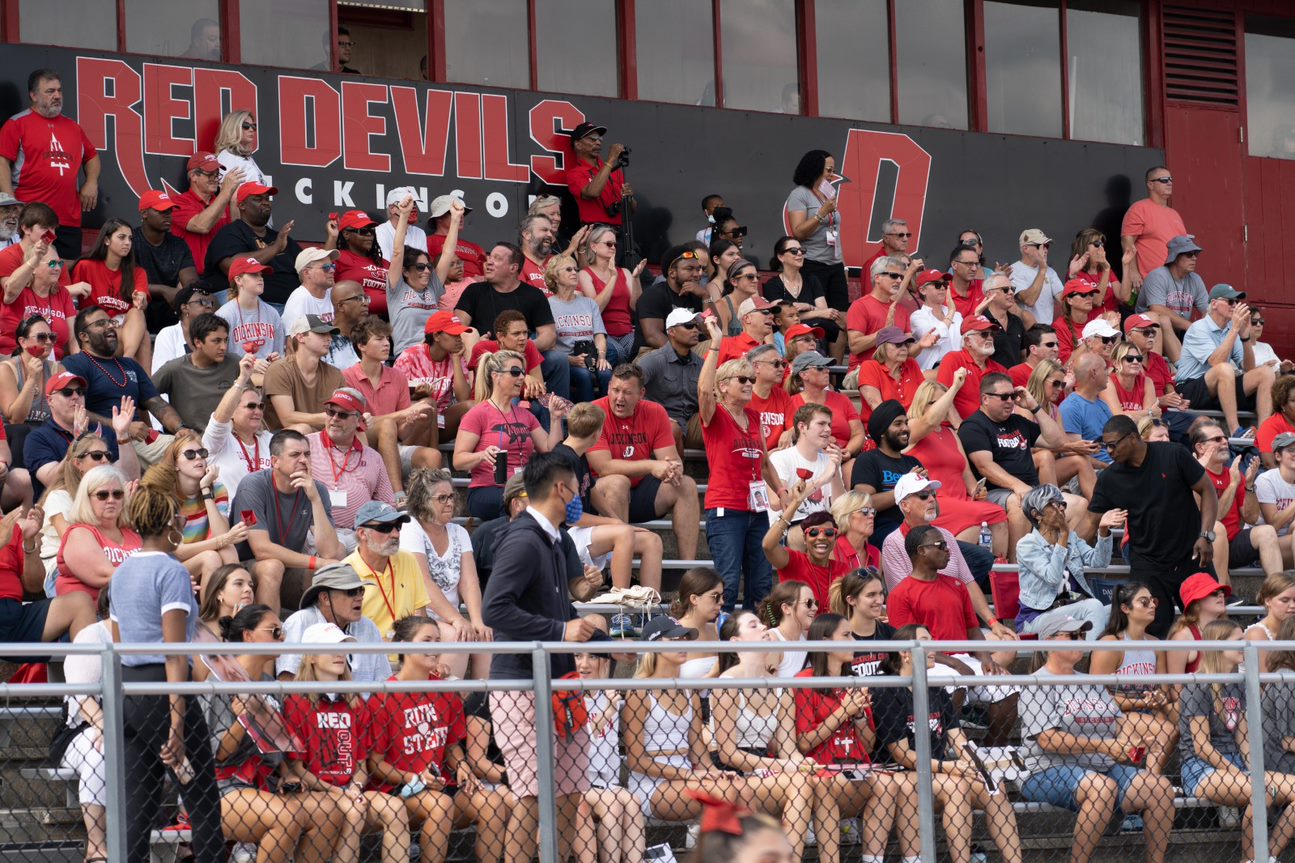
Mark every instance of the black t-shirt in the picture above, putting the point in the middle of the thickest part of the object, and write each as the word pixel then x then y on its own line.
pixel 892 709
pixel 867 660
pixel 579 464
pixel 811 290
pixel 1009 343
pixel 1164 520
pixel 1010 443
pixel 484 303
pixel 658 300
pixel 238 238
pixel 880 472
pixel 162 263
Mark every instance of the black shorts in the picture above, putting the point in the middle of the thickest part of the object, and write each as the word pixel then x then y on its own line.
pixel 1241 551
pixel 642 501
pixel 1199 393
pixel 67 242
pixel 23 623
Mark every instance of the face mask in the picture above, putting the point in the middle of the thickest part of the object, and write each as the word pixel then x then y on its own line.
pixel 710 218
pixel 37 350
pixel 575 509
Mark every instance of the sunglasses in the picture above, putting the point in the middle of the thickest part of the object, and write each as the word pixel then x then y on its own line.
pixel 901 234
pixel 1070 636
pixel 739 231
pixel 1086 294
pixel 69 392
pixel 1229 300
pixel 1098 244
pixel 381 528
pixel 1216 439
pixel 815 532
pixel 941 544
pixel 363 232
pixel 1133 358
pixel 691 325
pixel 1006 397
pixel 743 379
pixel 115 494
pixel 351 592
pixel 276 632
pixel 811 603
pixel 334 413
pixel 867 512
pixel 895 276
pixel 249 127
pixel 97 455
pixel 1162 179
pixel 777 364
pixel 1110 446
pixel 205 301
pixel 796 251
pixel 328 268
pixel 1254 322
pixel 1109 340
pixel 514 371
pixel 255 406
pixel 194 454
pixel 921 495
pixel 54 265
pixel 1040 245
pixel 43 338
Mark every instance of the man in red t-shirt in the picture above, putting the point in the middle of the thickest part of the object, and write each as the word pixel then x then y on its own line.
pixel 640 474
pixel 966 289
pixel 1040 344
pixel 536 239
pixel 204 209
pixel 41 155
pixel 438 217
pixel 756 315
pixel 1151 223
pixel 880 308
pixel 599 187
pixel 977 348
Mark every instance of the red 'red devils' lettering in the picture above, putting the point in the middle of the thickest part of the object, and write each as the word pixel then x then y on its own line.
pixel 467 135
pixel 94 107
pixel 212 89
pixel 294 148
pixel 423 146
pixel 359 126
pixel 865 150
pixel 547 119
pixel 162 109
pixel 495 131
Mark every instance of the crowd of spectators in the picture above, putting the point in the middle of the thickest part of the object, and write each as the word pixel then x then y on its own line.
pixel 236 437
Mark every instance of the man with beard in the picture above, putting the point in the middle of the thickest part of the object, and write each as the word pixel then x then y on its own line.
pixel 252 237
pixel 681 288
pixel 165 258
pixel 203 210
pixel 335 595
pixel 537 238
pixel 878 470
pixel 41 155
pixel 393 585
pixel 10 207
pixel 110 378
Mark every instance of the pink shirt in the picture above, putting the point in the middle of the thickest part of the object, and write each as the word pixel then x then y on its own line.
pixel 352 477
pixel 510 429
pixel 391 395
pixel 420 370
pixel 1153 226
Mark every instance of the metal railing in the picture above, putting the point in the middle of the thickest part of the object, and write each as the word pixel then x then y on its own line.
pixel 113 690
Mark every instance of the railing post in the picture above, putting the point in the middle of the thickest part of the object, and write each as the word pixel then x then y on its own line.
pixel 922 737
pixel 114 755
pixel 1254 721
pixel 540 673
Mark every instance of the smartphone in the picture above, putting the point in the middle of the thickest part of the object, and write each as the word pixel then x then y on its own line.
pixel 249 518
pixel 854 775
pixel 980 485
pixel 49 236
pixel 1137 754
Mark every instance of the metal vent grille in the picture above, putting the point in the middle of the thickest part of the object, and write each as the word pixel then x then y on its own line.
pixel 1200 50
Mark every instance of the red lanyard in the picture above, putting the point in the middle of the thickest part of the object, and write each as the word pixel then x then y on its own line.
pixel 292 511
pixel 253 458
pixel 390 570
pixel 338 473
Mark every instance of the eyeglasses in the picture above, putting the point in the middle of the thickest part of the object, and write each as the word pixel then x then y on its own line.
pixel 1231 301
pixel 341 44
pixel 940 544
pixel 359 298
pixel 255 406
pixel 97 455
pixel 54 265
pixel 328 268
pixel 363 232
pixel 895 276
pixel 609 243
pixel 901 234
pixel 742 277
pixel 1216 439
pixel 1085 294
pixel 691 325
pixel 739 231
pixel 965 263
pixel 866 512
pixel 334 413
pixel 443 498
pixel 1048 345
pixel 1057 383
pixel 381 528
pixel 777 364
pixel 923 495
pixel 351 592
pixel 203 300
pixel 811 602
pixel 1110 446
pixel 1146 601
pixel 1133 358
pixel 249 127
pixel 276 632
pixel 815 532
pixel 1040 245
pixel 193 454
pixel 570 270
pixel 1162 179
pixel 1149 332
pixel 104 494
pixel 1191 254
pixel 70 392
pixel 1254 322
pixel 210 175
pixel 796 251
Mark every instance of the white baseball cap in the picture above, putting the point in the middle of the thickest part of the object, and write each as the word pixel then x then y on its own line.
pixel 1099 327
pixel 324 633
pixel 398 194
pixel 680 316
pixel 911 483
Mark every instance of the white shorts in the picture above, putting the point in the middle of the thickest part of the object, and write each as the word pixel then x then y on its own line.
pixel 583 537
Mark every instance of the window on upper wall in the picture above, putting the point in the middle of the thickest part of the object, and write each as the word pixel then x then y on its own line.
pixel 177 28
pixel 675 50
pixel 309 45
pixel 852 40
pixel 486 43
pixel 930 41
pixel 1104 69
pixel 1270 102
pixel 581 30
pixel 1023 68
pixel 65 22
pixel 760 70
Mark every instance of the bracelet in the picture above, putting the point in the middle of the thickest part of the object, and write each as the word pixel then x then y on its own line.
pixel 313 563
pixel 207 494
pixel 121 442
pixel 993 621
pixel 31 550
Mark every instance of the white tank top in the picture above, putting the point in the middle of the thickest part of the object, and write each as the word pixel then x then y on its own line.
pixel 663 731
pixel 753 730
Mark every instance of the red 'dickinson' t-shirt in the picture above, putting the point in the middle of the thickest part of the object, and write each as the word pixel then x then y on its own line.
pixel 57 309
pixel 775 412
pixel 636 437
pixel 335 734
pixel 533 274
pixel 105 286
pixel 819 578
pixel 372 277
pixel 414 730
pixel 943 606
pixel 813 706
pixel 46 153
pixel 736 456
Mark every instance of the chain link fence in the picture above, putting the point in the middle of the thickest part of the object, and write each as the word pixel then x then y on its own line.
pixel 1188 767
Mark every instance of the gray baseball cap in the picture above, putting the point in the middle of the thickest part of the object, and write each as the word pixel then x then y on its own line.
pixel 809 359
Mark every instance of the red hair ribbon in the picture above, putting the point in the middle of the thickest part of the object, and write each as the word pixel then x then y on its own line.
pixel 719 816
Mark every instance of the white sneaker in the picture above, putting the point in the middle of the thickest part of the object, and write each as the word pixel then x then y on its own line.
pixel 244 852
pixel 694 833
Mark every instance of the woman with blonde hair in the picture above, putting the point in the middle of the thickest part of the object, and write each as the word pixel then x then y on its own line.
pixel 616 291
pixel 581 333
pixel 184 471
pixel 1047 384
pixel 1130 391
pixel 98 536
pixel 856 518
pixel 497 437
pixel 236 141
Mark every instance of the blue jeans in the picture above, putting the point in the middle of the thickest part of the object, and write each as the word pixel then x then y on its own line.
pixel 1057 785
pixel 588 385
pixel 1194 770
pixel 735 546
pixel 557 373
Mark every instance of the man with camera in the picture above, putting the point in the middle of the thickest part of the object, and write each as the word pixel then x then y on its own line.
pixel 599 187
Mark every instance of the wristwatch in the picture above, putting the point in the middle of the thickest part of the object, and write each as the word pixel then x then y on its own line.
pixel 1207 535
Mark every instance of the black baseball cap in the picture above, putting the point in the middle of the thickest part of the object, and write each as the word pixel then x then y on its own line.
pixel 664 627
pixel 583 130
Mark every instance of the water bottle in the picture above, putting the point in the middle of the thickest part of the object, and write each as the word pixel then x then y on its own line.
pixel 986 538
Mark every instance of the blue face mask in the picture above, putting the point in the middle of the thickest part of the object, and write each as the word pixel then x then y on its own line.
pixel 575 509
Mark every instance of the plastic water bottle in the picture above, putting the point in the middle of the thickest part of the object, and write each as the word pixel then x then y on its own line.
pixel 986 538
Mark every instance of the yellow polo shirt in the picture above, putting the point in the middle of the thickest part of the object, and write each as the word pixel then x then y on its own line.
pixel 396 592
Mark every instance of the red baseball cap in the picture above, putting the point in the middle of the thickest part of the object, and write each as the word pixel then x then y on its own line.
pixel 203 162
pixel 247 190
pixel 1077 286
pixel 61 380
pixel 154 200
pixel 1138 322
pixel 348 399
pixel 804 330
pixel 926 277
pixel 977 323
pixel 354 220
pixel 444 322
pixel 247 265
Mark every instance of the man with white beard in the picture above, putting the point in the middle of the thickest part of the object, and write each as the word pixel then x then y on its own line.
pixel 10 207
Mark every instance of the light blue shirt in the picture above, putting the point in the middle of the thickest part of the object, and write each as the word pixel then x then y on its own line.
pixel 1202 339
pixel 145 586
pixel 1085 418
pixel 1046 570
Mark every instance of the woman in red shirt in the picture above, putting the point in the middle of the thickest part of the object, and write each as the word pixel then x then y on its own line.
pixel 743 485
pixel 835 728
pixel 1089 264
pixel 48 294
pixel 97 538
pixel 119 287
pixel 1077 302
pixel 417 754
pixel 361 260
pixel 891 373
pixel 1130 391
pixel 615 289
pixel 337 741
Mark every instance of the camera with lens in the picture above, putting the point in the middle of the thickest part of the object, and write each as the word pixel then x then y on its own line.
pixel 623 160
pixel 585 348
